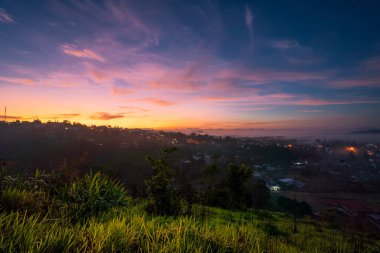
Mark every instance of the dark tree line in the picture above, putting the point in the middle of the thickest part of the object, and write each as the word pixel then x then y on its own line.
pixel 232 187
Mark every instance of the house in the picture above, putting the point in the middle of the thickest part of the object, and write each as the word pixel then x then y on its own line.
pixel 274 188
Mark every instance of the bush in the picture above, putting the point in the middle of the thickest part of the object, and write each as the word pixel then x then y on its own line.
pixel 237 178
pixel 161 190
pixel 300 209
pixel 92 195
pixel 13 199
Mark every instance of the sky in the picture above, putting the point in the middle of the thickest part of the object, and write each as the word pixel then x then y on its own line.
pixel 251 65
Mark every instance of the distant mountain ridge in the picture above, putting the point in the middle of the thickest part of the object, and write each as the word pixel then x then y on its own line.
pixel 366 131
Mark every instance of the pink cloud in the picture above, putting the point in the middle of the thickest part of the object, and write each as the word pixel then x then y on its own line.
pixel 61 78
pixel 371 64
pixel 63 116
pixel 15 80
pixel 267 76
pixel 121 91
pixel 5 17
pixel 249 23
pixel 84 53
pixel 368 72
pixel 134 108
pixel 106 116
pixel 362 82
pixel 280 99
pixel 159 102
pixel 285 44
pixel 321 102
pixel 311 111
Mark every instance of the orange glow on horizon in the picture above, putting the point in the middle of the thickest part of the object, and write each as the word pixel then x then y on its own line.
pixel 351 149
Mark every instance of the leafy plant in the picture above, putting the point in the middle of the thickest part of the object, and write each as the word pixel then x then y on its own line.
pixel 236 180
pixel 161 188
pixel 92 195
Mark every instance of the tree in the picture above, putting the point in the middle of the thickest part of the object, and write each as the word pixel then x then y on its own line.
pixel 260 194
pixel 237 178
pixel 160 187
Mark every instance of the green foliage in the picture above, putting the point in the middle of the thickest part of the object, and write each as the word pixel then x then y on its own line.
pixel 13 199
pixel 132 231
pixel 236 190
pixel 108 225
pixel 260 194
pixel 236 181
pixel 294 207
pixel 210 192
pixel 92 195
pixel 161 188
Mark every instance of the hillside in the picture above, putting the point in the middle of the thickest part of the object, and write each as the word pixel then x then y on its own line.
pixel 42 213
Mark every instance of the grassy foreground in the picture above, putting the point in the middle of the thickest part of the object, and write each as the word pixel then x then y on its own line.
pixel 38 218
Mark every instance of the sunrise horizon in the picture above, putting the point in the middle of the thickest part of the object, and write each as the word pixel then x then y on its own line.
pixel 211 65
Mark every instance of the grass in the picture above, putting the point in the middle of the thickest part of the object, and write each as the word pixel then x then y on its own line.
pixel 116 223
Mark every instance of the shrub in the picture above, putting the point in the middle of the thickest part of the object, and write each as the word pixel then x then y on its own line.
pixel 237 178
pixel 92 195
pixel 161 188
pixel 13 199
pixel 299 209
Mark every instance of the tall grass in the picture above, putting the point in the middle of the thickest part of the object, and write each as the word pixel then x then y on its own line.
pixel 92 195
pixel 131 230
pixel 104 223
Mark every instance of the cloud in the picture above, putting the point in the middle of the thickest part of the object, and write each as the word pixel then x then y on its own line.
pixel 134 108
pixel 370 65
pixel 364 74
pixel 121 91
pixel 256 109
pixel 84 53
pixel 68 115
pixel 10 117
pixel 280 99
pixel 248 17
pixel 106 116
pixel 249 23
pixel 63 116
pixel 21 81
pixel 267 76
pixel 52 24
pixel 5 17
pixel 356 82
pixel 311 111
pixel 286 44
pixel 159 102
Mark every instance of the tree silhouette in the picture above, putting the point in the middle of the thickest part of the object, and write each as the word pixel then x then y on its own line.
pixel 160 187
pixel 237 178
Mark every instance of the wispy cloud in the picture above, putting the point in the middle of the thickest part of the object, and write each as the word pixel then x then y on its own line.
pixel 281 99
pixel 370 65
pixel 68 115
pixel 356 82
pixel 249 23
pixel 62 116
pixel 311 111
pixel 133 108
pixel 286 44
pixel 366 73
pixel 157 101
pixel 5 17
pixel 84 53
pixel 15 80
pixel 121 91
pixel 11 117
pixel 106 116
